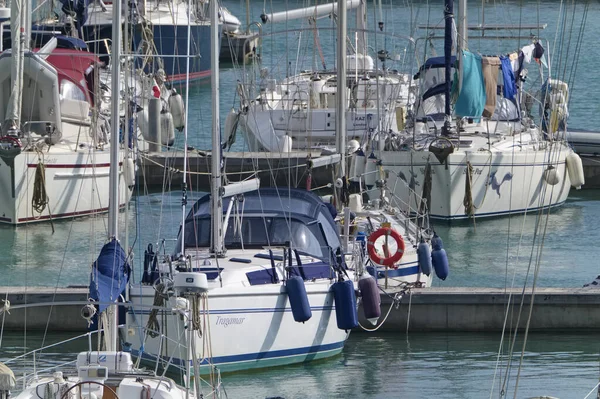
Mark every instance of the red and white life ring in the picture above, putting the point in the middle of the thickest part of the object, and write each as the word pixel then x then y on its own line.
pixel 388 260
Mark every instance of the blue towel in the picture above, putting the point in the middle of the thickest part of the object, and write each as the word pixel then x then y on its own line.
pixel 471 97
pixel 510 88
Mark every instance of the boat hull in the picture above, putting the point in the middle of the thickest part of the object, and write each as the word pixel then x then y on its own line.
pixel 170 42
pixel 264 128
pixel 76 183
pixel 263 316
pixel 503 183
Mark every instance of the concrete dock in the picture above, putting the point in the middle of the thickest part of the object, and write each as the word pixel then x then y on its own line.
pixel 430 309
pixel 61 317
pixel 484 310
pixel 591 170
pixel 162 170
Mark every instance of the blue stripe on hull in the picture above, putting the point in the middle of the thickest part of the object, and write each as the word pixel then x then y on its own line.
pixel 492 214
pixel 400 272
pixel 260 359
pixel 249 310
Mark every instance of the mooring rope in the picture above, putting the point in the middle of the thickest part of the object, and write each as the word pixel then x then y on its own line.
pixel 40 199
pixel 426 195
pixel 153 326
pixel 468 200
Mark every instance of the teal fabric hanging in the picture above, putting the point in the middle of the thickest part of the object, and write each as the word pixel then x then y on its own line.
pixel 471 96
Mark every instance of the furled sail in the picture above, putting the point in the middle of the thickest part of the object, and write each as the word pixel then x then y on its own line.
pixel 110 274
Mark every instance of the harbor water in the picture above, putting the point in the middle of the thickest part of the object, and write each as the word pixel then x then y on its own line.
pixel 489 253
pixel 413 366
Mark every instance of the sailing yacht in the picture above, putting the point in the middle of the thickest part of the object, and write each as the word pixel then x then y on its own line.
pixel 299 112
pixel 279 289
pixel 54 144
pixel 273 238
pixel 486 156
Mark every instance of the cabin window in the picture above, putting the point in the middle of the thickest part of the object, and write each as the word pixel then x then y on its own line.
pixel 70 91
pixel 257 232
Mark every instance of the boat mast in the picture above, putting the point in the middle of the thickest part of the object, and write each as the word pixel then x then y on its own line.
pixel 361 15
pixel 462 37
pixel 340 110
pixel 216 204
pixel 448 18
pixel 19 42
pixel 113 203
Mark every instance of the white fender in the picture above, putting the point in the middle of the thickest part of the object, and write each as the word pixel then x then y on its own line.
pixel 356 203
pixel 575 170
pixel 177 108
pixel 167 128
pixel 142 122
pixel 129 172
pixel 357 165
pixel 551 176
pixel 231 124
pixel 370 171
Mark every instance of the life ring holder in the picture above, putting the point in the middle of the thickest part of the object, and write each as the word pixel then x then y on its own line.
pixel 390 260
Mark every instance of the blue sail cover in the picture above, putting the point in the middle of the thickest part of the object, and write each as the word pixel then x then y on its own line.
pixel 110 274
pixel 433 63
pixel 271 217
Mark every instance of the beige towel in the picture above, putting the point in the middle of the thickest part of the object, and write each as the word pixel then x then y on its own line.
pixel 490 67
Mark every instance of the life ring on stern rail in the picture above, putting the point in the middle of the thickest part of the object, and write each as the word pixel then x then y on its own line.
pixel 389 260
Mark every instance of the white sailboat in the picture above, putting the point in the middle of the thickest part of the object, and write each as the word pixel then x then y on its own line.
pixel 480 161
pixel 388 243
pixel 279 291
pixel 108 372
pixel 54 148
pixel 299 112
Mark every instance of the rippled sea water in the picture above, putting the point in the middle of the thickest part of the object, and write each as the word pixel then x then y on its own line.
pixel 431 365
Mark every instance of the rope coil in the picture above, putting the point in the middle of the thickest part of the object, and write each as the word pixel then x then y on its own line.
pixel 40 198
pixel 160 300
